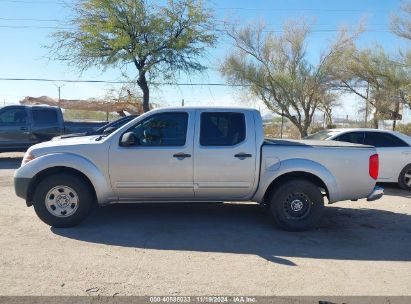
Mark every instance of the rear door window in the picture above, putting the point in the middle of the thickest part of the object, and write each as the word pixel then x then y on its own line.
pixel 383 140
pixel 222 128
pixel 44 116
pixel 351 137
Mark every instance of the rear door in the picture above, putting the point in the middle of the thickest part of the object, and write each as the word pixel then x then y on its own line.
pixel 47 123
pixel 225 155
pixel 392 151
pixel 14 128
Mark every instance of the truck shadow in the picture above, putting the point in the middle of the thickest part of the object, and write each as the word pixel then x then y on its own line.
pixel 7 163
pixel 344 234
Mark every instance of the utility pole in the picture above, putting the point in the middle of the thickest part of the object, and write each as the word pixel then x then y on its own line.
pixel 59 90
pixel 282 123
pixel 182 102
pixel 366 105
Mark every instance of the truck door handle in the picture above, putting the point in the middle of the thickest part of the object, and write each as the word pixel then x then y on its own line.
pixel 242 155
pixel 23 128
pixel 181 155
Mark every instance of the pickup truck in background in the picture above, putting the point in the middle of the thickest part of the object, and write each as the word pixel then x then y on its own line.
pixel 195 155
pixel 105 129
pixel 22 126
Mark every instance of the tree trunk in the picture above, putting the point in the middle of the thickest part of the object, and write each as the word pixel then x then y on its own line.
pixel 142 83
pixel 396 114
pixel 375 121
pixel 329 119
pixel 303 133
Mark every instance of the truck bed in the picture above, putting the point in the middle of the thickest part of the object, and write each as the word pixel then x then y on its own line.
pixel 345 163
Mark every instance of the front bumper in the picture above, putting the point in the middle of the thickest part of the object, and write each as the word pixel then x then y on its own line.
pixel 21 186
pixel 376 194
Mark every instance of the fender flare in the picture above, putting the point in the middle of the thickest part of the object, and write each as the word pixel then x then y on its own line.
pixel 72 161
pixel 275 171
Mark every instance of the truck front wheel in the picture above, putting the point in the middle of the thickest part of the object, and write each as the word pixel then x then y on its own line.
pixel 296 205
pixel 62 200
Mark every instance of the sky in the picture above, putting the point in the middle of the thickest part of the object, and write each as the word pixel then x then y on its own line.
pixel 26 25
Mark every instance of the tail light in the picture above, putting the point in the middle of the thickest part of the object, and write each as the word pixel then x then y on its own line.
pixel 374 166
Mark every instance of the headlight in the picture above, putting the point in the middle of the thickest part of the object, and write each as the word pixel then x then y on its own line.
pixel 27 157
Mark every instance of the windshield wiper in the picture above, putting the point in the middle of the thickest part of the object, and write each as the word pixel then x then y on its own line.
pixel 101 137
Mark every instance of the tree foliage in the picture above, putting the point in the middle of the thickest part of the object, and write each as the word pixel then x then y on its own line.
pixel 377 78
pixel 401 24
pixel 276 69
pixel 158 40
pixel 327 103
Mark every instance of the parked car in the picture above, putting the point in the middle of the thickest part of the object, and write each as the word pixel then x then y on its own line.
pixel 23 126
pixel 106 129
pixel 195 155
pixel 394 150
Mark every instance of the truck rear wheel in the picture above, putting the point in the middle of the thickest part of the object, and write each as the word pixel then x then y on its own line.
pixel 62 200
pixel 296 205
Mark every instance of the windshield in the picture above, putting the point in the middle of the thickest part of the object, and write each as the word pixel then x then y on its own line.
pixel 322 135
pixel 115 124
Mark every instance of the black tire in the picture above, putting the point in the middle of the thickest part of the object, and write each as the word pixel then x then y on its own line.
pixel 403 180
pixel 83 202
pixel 296 205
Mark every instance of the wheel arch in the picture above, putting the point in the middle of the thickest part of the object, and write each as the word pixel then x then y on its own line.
pixel 76 164
pixel 40 176
pixel 297 168
pixel 293 176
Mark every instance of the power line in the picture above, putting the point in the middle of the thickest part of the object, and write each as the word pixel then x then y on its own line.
pixel 30 19
pixel 287 9
pixel 34 27
pixel 120 82
pixel 217 30
pixel 28 2
pixel 134 82
pixel 224 22
pixel 220 8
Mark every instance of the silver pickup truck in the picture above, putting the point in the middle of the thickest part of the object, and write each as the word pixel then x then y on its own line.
pixel 195 155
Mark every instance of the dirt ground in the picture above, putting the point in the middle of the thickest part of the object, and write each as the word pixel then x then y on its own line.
pixel 360 248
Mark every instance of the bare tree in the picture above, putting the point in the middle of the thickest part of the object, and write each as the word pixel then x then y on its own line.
pixel 275 68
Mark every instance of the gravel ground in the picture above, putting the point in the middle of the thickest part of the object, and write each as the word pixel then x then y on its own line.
pixel 360 248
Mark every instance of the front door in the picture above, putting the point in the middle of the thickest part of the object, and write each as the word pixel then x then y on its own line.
pixel 14 128
pixel 160 165
pixel 225 155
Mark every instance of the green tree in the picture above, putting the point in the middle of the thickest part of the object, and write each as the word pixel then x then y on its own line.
pixel 401 24
pixel 372 74
pixel 159 40
pixel 275 68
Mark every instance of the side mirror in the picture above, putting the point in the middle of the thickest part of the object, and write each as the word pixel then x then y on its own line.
pixel 109 130
pixel 129 139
